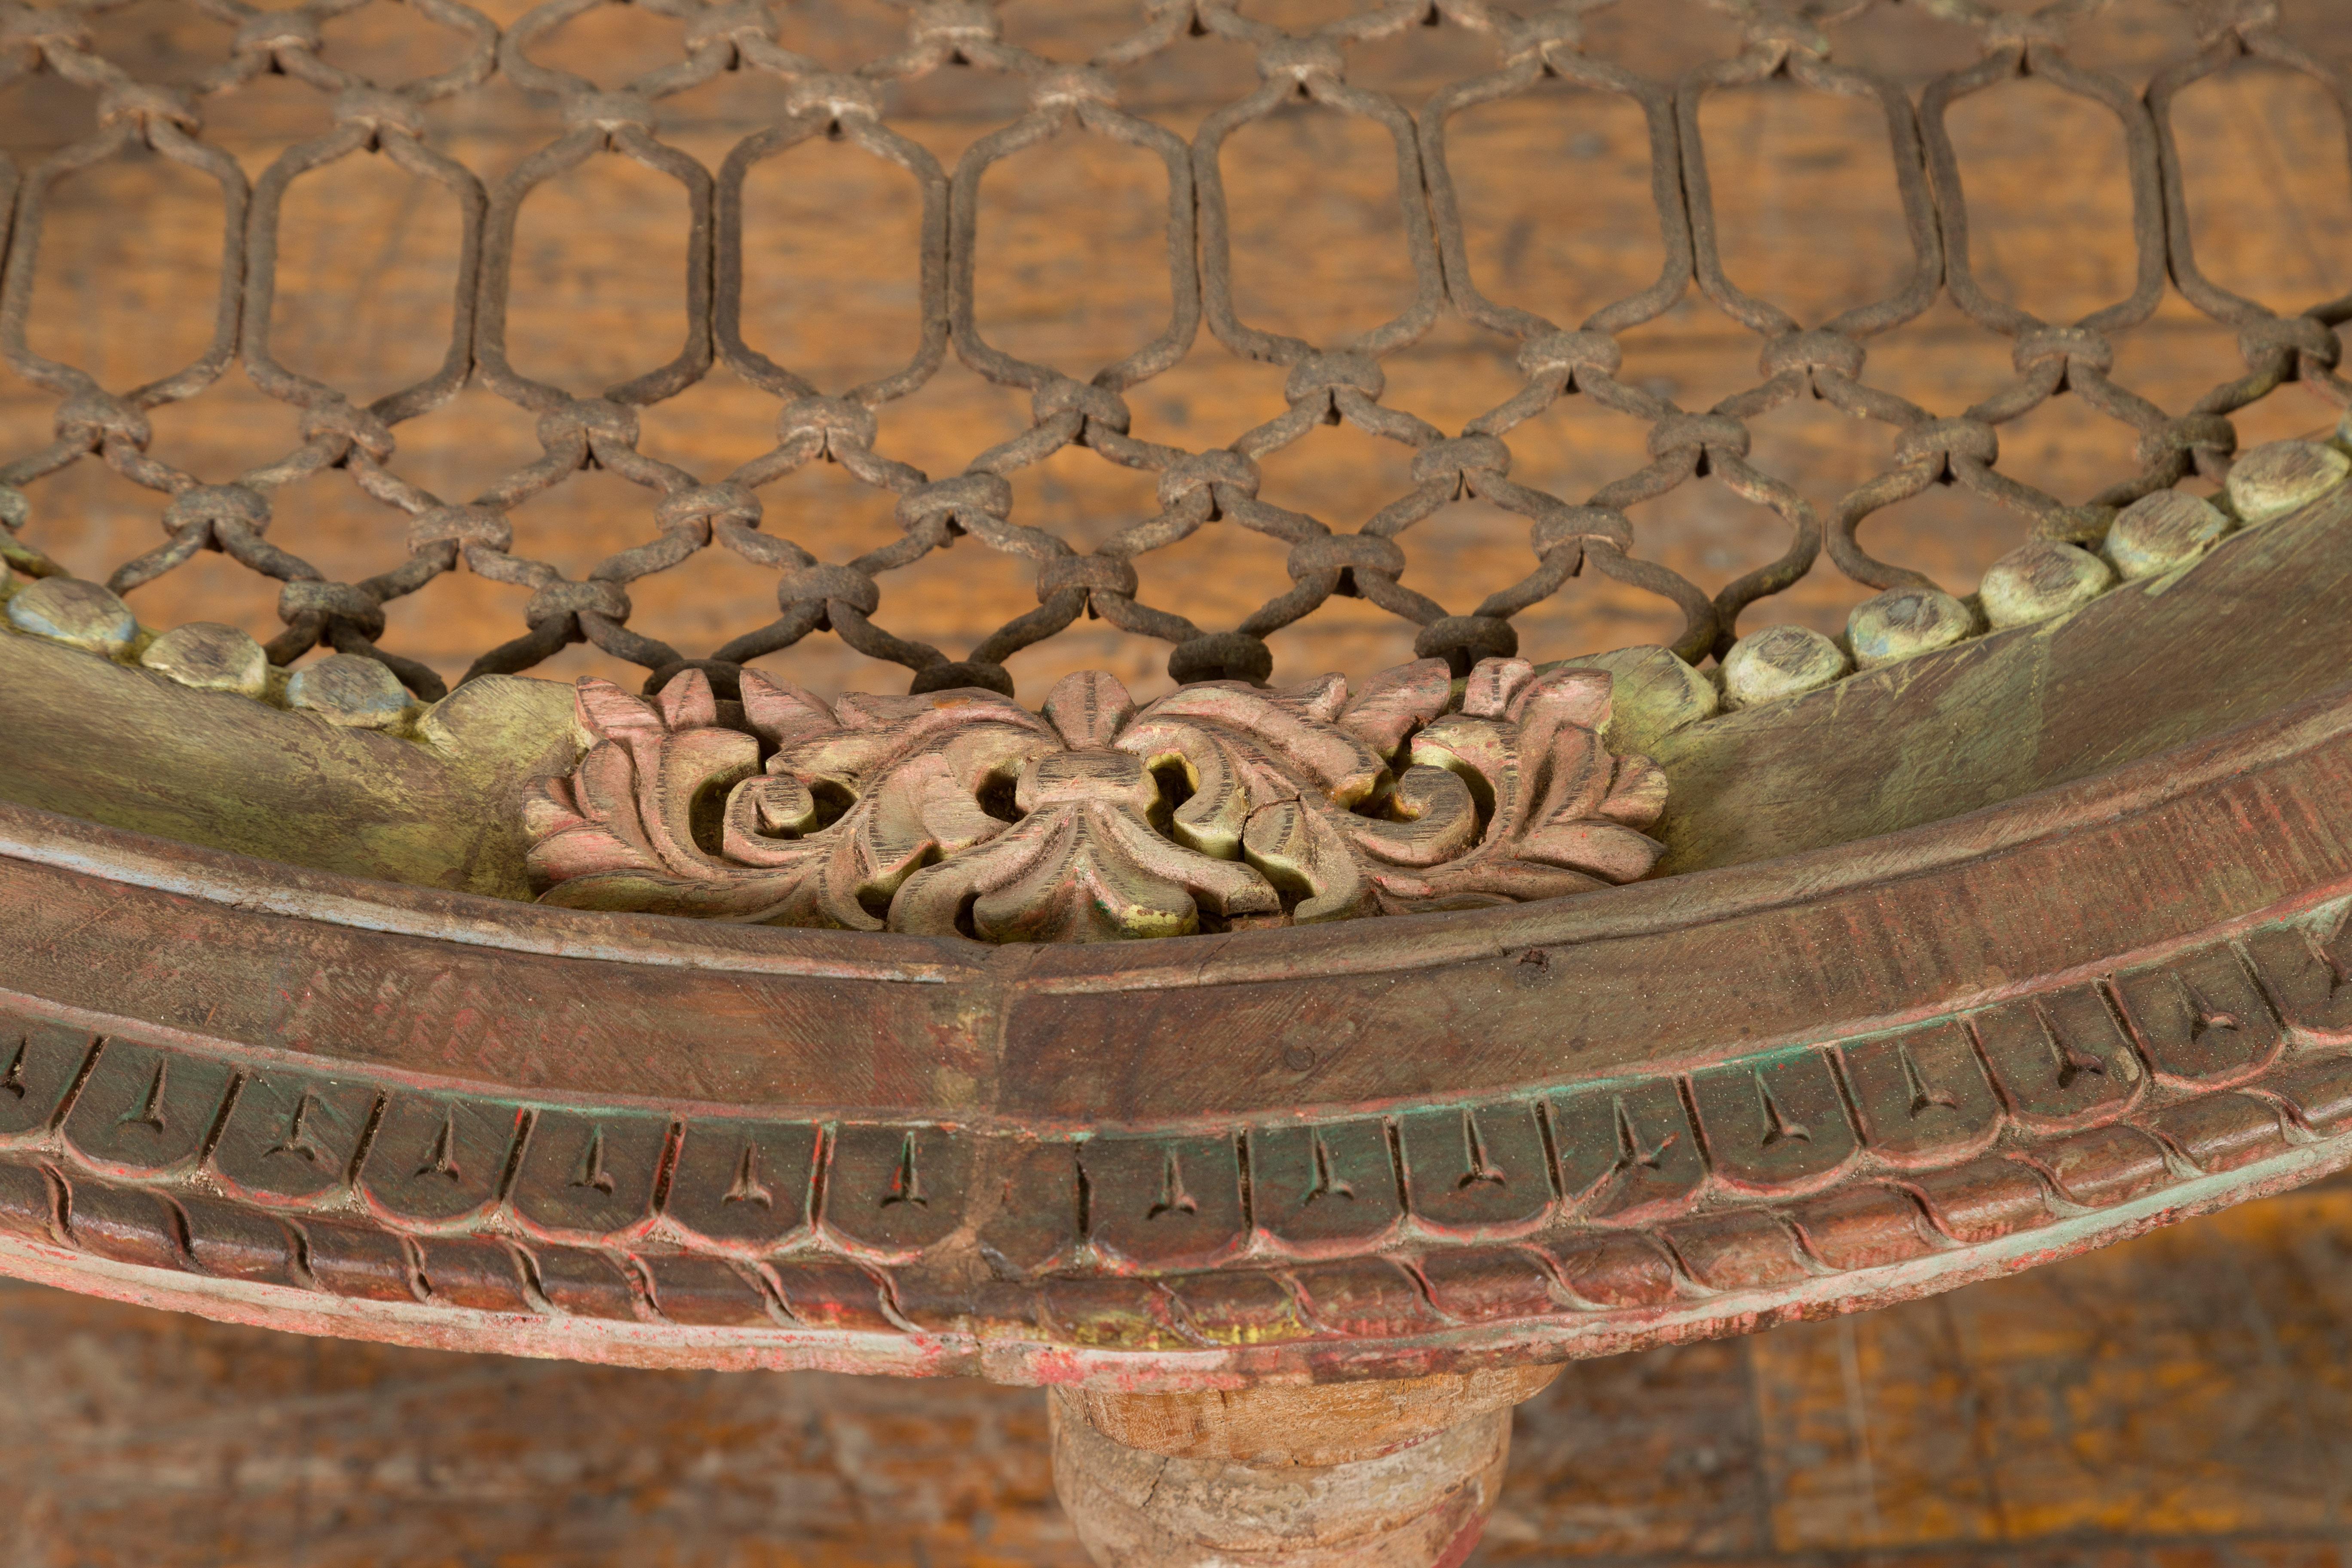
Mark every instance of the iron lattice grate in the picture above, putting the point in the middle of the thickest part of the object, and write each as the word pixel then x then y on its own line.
pixel 691 513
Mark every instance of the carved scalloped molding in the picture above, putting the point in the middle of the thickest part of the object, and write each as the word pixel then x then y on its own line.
pixel 1589 1220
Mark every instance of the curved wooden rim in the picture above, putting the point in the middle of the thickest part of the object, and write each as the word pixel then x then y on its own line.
pixel 1675 1110
pixel 1403 943
pixel 530 1328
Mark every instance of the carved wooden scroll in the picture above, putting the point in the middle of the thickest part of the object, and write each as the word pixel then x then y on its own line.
pixel 1217 806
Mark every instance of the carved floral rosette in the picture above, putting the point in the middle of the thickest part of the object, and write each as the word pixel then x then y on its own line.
pixel 1219 806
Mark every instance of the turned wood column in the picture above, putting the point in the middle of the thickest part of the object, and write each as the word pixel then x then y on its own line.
pixel 1388 1474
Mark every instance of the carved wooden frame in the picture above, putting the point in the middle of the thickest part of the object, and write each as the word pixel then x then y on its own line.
pixel 1790 1085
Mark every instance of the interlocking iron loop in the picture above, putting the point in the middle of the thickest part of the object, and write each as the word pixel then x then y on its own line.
pixel 1323 383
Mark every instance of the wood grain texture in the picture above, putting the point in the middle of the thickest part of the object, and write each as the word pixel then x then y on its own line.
pixel 213 767
pixel 2178 1402
pixel 1272 1424
pixel 2154 663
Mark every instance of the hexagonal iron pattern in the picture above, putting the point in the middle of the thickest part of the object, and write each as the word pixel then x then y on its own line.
pixel 1323 383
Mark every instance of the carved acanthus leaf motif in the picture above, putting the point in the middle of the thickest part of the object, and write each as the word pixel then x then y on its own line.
pixel 1216 806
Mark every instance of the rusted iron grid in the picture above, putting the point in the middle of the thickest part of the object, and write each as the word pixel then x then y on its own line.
pixel 1325 382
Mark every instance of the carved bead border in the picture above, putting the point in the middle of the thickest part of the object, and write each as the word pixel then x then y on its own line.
pixel 2166 532
pixel 1601 1204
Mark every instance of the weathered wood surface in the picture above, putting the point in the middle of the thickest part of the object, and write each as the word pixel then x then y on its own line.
pixel 455 1122
pixel 2241 632
pixel 1425 1502
pixel 2176 1402
pixel 2154 663
pixel 1276 1425
pixel 97 740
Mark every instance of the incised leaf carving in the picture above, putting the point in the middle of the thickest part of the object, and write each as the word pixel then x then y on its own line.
pixel 1219 806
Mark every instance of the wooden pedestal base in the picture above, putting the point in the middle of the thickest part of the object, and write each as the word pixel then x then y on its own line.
pixel 1398 1474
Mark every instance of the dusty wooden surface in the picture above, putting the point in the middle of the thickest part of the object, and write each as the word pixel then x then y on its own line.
pixel 220 768
pixel 1276 1425
pixel 2178 1402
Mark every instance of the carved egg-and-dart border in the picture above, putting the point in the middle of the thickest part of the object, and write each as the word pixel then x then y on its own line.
pixel 1218 806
